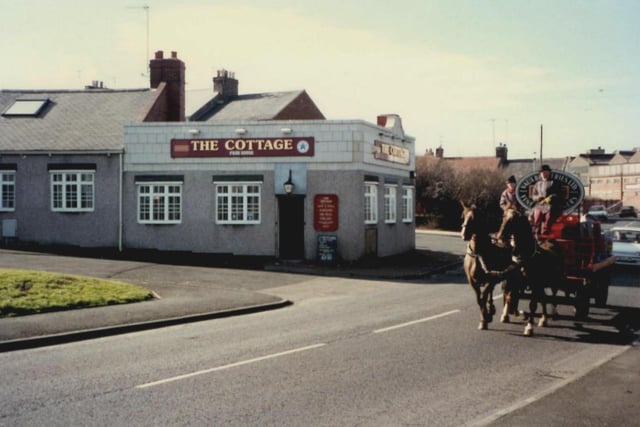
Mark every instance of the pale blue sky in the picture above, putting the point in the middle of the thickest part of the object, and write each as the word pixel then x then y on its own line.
pixel 464 74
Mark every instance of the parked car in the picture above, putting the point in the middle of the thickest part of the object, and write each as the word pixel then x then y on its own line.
pixel 598 213
pixel 626 244
pixel 626 211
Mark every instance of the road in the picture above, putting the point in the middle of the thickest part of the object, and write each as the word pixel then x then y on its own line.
pixel 348 352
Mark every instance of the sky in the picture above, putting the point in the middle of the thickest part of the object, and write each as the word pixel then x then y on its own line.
pixel 466 75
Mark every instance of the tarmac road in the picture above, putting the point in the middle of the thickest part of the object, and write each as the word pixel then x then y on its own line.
pixel 607 395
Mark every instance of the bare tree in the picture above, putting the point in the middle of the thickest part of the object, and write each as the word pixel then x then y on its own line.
pixel 440 189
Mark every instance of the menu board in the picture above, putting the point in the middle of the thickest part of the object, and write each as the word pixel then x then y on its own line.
pixel 327 248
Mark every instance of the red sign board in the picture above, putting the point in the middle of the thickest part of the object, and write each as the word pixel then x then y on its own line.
pixel 242 147
pixel 325 212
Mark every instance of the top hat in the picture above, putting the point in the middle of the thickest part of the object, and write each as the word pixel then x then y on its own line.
pixel 545 168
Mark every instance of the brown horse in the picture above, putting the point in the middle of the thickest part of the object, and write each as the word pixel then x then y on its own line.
pixel 537 267
pixel 481 259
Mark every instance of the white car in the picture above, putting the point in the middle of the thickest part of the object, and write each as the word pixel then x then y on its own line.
pixel 626 244
pixel 598 212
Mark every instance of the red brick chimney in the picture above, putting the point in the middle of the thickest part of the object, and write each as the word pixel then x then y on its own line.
pixel 225 84
pixel 501 152
pixel 170 71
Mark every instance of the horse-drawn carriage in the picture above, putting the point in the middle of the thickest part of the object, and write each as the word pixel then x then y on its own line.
pixel 574 258
pixel 586 261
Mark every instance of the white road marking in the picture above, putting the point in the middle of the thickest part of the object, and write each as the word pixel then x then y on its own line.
pixel 231 365
pixel 426 319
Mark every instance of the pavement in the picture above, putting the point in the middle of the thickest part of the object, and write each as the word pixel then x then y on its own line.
pixel 185 290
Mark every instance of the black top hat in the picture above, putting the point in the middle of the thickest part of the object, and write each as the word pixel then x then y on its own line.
pixel 511 179
pixel 545 168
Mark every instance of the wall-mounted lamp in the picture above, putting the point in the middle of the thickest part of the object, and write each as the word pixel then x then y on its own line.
pixel 288 185
pixel 194 131
pixel 241 131
pixel 286 130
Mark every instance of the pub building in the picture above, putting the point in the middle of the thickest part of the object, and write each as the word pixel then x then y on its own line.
pixel 260 174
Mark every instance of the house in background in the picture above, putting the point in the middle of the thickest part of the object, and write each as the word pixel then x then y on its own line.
pixel 61 155
pixel 580 166
pixel 616 182
pixel 500 161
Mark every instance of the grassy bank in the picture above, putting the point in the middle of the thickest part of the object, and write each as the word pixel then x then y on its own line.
pixel 25 292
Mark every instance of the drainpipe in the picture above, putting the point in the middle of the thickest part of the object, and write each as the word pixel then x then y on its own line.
pixel 120 184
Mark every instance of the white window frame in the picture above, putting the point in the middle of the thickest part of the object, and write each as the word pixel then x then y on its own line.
pixel 72 190
pixel 7 190
pixel 370 202
pixel 238 202
pixel 155 204
pixel 390 203
pixel 407 204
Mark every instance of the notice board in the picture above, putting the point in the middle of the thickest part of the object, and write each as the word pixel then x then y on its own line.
pixel 325 212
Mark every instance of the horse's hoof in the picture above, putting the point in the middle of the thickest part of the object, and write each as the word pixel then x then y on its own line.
pixel 528 331
pixel 483 326
pixel 543 322
pixel 505 319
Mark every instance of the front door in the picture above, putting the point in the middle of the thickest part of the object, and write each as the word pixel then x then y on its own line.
pixel 291 227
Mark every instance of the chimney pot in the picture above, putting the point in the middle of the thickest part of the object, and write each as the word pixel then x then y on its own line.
pixel 225 84
pixel 174 54
pixel 159 54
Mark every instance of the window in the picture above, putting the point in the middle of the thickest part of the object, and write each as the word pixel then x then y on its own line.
pixel 370 202
pixel 238 202
pixel 160 202
pixel 72 191
pixel 390 207
pixel 8 188
pixel 407 204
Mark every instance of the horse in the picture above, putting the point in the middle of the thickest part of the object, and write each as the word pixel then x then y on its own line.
pixel 539 267
pixel 482 257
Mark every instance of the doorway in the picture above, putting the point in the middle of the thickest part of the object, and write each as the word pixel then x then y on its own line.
pixel 291 227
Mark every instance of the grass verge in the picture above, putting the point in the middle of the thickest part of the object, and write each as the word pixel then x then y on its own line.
pixel 25 292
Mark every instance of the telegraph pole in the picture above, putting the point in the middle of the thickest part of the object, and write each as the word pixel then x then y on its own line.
pixel 493 126
pixel 541 139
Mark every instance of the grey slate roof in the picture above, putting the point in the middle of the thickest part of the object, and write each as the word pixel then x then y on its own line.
pixel 84 120
pixel 260 106
pixel 522 167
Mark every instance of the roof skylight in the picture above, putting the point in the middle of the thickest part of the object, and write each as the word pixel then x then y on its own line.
pixel 26 107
